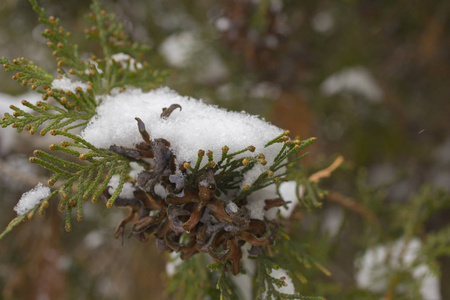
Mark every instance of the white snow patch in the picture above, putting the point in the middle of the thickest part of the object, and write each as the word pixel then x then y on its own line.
pixel 265 89
pixel 223 24
pixel 232 207
pixel 127 189
pixel 377 263
pixel 135 170
pixel 289 288
pixel 244 281
pixel 94 239
pixel 332 220
pixel 173 263
pixel 196 126
pixel 124 58
pixel 7 136
pixel 187 49
pixel 178 48
pixel 66 84
pixel 31 198
pixel 356 80
pixel 288 191
pixel 255 203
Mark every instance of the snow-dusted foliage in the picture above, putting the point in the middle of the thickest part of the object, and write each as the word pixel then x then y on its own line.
pixel 66 84
pixel 196 126
pixel 31 198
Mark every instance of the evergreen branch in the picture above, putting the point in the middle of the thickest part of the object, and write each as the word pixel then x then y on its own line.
pixel 28 73
pixel 436 244
pixel 26 216
pixel 292 260
pixel 21 119
pixel 111 33
pixel 269 287
pixel 76 139
pixel 227 290
pixel 192 281
pixel 66 53
pixel 81 181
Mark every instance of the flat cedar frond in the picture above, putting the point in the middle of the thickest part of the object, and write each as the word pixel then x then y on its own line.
pixel 28 73
pixel 191 218
pixel 226 288
pixel 111 34
pixel 75 106
pixel 55 116
pixel 290 258
pixel 192 281
pixel 119 66
pixel 269 286
pixel 43 203
pixel 81 182
pixel 66 53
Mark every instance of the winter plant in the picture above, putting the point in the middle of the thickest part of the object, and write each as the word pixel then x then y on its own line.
pixel 208 184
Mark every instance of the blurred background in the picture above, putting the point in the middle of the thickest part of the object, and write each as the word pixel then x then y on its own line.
pixel 370 79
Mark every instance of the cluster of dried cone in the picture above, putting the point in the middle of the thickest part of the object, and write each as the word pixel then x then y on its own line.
pixel 189 218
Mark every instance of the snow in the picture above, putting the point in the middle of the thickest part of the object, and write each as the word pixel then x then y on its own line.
pixel 377 263
pixel 127 189
pixel 173 263
pixel 66 84
pixel 355 80
pixel 289 288
pixel 223 24
pixel 7 136
pixel 94 239
pixel 123 58
pixel 288 191
pixel 178 48
pixel 31 198
pixel 181 49
pixel 232 207
pixel 266 90
pixel 135 170
pixel 255 202
pixel 196 126
pixel 333 217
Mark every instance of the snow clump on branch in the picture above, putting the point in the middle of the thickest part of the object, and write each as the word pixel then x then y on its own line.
pixel 31 198
pixel 196 126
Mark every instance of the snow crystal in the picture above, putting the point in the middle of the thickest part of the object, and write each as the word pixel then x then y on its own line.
pixel 354 80
pixel 196 126
pixel 66 84
pixel 31 198
pixel 127 190
pixel 379 261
